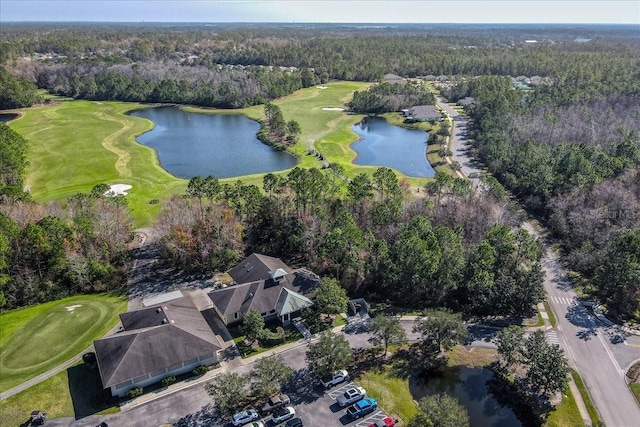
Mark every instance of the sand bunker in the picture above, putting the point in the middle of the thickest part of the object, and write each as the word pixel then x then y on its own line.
pixel 333 109
pixel 322 87
pixel 72 307
pixel 118 190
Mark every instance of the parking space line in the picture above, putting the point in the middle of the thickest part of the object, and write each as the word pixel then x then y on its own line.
pixel 376 416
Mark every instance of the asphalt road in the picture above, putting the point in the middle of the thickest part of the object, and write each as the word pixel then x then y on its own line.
pixel 590 348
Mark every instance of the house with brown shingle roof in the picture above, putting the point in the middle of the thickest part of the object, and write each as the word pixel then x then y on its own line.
pixel 422 113
pixel 267 285
pixel 158 341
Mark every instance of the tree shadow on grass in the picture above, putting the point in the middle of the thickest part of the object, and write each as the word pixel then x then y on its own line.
pixel 87 395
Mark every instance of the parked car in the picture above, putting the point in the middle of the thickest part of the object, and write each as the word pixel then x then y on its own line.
pixel 386 422
pixel 351 395
pixel 254 424
pixel 244 417
pixel 336 378
pixel 362 408
pixel 283 414
pixel 294 422
pixel 274 403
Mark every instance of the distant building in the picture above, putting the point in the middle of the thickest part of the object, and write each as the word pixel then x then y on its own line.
pixel 395 79
pixel 466 102
pixel 422 113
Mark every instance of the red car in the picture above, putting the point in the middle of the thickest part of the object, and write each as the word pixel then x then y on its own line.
pixel 387 422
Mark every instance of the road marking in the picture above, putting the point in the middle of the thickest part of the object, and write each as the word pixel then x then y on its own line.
pixel 563 300
pixel 552 337
pixel 376 416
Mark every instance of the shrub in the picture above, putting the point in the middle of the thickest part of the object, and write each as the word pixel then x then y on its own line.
pixel 166 382
pixel 134 392
pixel 200 370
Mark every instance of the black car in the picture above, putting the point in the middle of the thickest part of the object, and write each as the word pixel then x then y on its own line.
pixel 294 422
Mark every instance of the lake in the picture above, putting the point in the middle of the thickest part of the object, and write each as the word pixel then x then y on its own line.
pixel 7 117
pixel 469 386
pixel 382 144
pixel 223 145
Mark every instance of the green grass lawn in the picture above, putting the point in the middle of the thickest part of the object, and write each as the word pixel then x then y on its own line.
pixel 635 389
pixel 565 414
pixel 75 392
pixel 552 316
pixel 38 338
pixel 391 392
pixel 74 145
pixel 586 397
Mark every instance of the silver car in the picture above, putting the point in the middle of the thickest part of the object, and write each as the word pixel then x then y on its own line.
pixel 351 395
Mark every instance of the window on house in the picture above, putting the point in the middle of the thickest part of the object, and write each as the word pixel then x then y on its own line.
pixel 124 384
pixel 236 315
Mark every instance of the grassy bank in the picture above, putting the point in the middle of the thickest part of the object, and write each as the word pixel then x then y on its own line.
pixel 38 338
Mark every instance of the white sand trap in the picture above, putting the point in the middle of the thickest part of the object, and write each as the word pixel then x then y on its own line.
pixel 118 190
pixel 322 87
pixel 333 109
pixel 72 307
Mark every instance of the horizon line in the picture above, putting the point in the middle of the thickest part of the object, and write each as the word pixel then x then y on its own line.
pixel 318 22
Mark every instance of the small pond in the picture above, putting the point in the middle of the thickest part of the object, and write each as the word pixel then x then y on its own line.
pixel 7 117
pixel 469 386
pixel 223 145
pixel 382 144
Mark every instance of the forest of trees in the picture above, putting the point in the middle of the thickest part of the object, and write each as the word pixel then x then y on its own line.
pixel 454 248
pixel 389 97
pixel 574 163
pixel 569 150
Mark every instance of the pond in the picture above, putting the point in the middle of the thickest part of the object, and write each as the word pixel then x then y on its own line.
pixel 382 144
pixel 469 386
pixel 223 145
pixel 7 117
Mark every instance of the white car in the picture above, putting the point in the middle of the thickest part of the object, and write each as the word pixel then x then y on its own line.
pixel 244 417
pixel 336 378
pixel 254 424
pixel 283 414
pixel 351 395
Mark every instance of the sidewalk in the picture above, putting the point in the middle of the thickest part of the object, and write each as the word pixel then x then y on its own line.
pixel 577 396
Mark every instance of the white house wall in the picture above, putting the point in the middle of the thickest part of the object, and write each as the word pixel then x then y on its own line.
pixel 157 378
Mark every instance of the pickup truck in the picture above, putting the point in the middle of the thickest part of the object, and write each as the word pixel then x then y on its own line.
pixel 274 403
pixel 336 378
pixel 362 408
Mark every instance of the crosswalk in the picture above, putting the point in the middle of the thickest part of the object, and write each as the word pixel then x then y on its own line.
pixel 562 300
pixel 552 337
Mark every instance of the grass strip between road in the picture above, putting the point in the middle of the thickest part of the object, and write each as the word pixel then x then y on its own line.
pixel 586 398
pixel 552 316
pixel 635 389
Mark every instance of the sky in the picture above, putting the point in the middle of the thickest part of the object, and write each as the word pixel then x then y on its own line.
pixel 333 11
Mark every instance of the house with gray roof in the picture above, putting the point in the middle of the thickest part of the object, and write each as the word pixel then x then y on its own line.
pixel 422 113
pixel 267 285
pixel 158 341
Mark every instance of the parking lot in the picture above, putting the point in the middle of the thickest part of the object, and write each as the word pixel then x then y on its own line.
pixel 324 410
pixel 317 406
